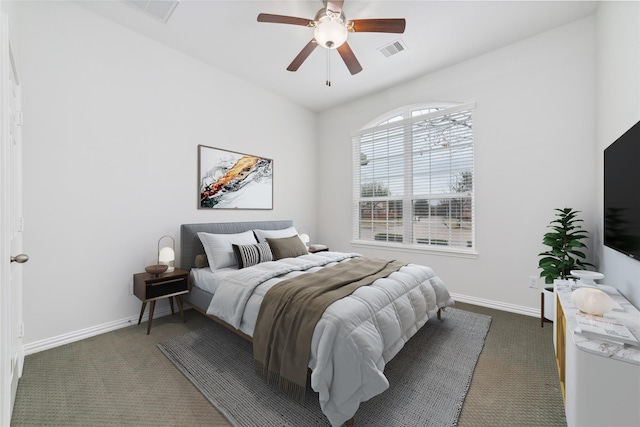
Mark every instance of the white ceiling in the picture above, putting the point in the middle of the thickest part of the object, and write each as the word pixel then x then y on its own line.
pixel 226 34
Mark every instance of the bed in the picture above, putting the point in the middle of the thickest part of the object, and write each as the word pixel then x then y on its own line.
pixel 356 335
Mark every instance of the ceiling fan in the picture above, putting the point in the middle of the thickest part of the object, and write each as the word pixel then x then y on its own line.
pixel 331 29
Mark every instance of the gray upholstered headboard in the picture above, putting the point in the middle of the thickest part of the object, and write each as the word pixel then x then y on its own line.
pixel 190 244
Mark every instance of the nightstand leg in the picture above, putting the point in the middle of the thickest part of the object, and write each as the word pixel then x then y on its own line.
pixel 144 305
pixel 180 307
pixel 171 304
pixel 151 308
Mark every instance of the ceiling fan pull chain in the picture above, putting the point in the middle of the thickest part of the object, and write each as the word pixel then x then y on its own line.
pixel 328 67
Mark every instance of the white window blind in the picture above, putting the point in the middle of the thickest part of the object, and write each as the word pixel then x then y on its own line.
pixel 413 179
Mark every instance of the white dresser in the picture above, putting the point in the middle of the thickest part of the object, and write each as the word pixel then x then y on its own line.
pixel 600 380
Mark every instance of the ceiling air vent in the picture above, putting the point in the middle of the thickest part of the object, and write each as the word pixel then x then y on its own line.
pixel 393 48
pixel 159 9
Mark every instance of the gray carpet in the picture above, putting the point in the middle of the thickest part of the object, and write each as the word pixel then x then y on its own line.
pixel 428 379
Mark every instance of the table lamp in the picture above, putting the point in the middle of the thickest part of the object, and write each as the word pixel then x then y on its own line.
pixel 167 255
pixel 305 239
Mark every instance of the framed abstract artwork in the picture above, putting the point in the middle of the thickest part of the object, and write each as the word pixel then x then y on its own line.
pixel 230 180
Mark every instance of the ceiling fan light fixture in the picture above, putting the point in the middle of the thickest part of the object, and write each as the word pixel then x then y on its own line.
pixel 330 32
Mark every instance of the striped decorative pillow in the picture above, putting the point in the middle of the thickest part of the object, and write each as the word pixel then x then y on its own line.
pixel 248 255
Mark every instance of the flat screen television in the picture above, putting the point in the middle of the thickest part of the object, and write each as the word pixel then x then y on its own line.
pixel 622 193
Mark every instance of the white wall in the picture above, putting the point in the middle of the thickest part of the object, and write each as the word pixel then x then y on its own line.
pixel 618 108
pixel 535 151
pixel 112 124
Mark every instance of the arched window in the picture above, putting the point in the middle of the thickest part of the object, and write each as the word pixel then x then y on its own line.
pixel 413 179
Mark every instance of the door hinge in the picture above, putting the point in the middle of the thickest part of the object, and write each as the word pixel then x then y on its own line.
pixel 19 118
pixel 21 330
pixel 21 224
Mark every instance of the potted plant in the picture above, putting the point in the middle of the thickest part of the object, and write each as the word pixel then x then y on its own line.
pixel 566 246
pixel 565 253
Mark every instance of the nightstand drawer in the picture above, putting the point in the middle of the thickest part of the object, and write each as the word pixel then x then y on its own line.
pixel 147 287
pixel 158 288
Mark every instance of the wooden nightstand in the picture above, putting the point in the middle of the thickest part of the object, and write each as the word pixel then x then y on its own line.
pixel 167 285
pixel 317 248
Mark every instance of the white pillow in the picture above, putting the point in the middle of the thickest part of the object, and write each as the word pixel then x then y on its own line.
pixel 262 235
pixel 219 247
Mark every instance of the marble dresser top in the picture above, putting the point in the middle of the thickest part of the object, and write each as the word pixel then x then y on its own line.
pixel 630 317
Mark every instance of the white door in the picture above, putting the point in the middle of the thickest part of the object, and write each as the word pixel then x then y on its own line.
pixel 11 225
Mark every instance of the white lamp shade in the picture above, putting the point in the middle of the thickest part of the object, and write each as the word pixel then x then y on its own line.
pixel 330 32
pixel 167 257
pixel 304 238
pixel 592 301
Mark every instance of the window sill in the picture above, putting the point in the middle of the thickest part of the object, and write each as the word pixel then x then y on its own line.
pixel 445 251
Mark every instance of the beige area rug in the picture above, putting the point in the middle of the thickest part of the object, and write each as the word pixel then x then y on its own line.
pixel 428 379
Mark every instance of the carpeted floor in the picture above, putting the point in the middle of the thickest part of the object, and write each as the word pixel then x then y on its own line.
pixel 122 378
pixel 516 379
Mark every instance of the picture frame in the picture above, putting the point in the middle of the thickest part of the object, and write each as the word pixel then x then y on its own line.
pixel 232 180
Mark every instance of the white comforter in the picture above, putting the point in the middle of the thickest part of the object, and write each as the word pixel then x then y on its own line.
pixel 355 337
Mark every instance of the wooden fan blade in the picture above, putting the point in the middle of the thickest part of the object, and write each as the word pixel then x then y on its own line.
pixel 304 54
pixel 349 58
pixel 335 5
pixel 377 25
pixel 281 19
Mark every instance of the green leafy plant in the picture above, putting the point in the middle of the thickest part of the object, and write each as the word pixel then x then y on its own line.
pixel 566 246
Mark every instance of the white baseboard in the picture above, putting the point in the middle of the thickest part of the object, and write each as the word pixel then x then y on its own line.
pixel 49 343
pixel 518 309
pixel 46 344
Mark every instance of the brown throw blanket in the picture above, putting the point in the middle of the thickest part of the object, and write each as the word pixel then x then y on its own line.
pixel 289 314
